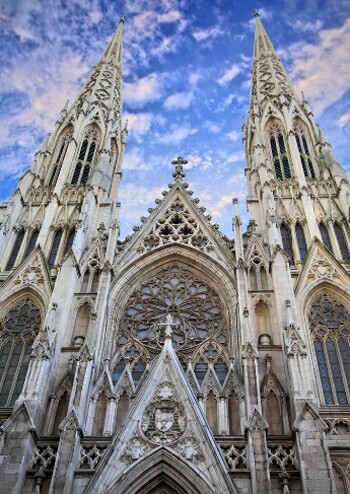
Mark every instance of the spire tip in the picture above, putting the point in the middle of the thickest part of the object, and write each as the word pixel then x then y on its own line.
pixel 122 19
pixel 256 13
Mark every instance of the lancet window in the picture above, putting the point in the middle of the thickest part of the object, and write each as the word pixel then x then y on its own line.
pixel 31 243
pixel 60 154
pixel 343 245
pixel 300 236
pixel 279 151
pixel 330 328
pixel 325 236
pixel 55 246
pixel 18 331
pixel 86 156
pixel 258 274
pixel 287 241
pixel 15 250
pixel 303 148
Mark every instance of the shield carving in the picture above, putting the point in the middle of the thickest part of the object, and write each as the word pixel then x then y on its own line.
pixel 164 419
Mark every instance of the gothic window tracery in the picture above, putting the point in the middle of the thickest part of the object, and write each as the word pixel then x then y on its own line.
pixel 279 151
pixel 55 246
pixel 330 328
pixel 199 331
pixel 15 250
pixel 303 148
pixel 300 236
pixel 61 150
pixel 325 236
pixel 287 241
pixel 86 156
pixel 343 246
pixel 18 331
pixel 258 274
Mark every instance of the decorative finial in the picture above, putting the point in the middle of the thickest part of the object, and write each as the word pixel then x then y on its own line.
pixel 122 19
pixel 256 13
pixel 179 173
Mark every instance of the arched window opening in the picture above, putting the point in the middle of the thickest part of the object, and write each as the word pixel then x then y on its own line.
pixel 221 369
pixel 99 416
pixel 330 327
pixel 55 247
pixel 287 241
pixel 31 243
pixel 118 371
pixel 137 371
pixel 234 414
pixel 262 317
pixel 304 153
pixel 343 246
pixel 200 369
pixel 95 281
pixel 263 278
pixel 62 147
pixel 17 334
pixel 212 412
pixel 69 242
pixel 86 157
pixel 299 233
pixel 122 410
pixel 325 237
pixel 81 324
pixel 15 250
pixel 253 278
pixel 279 152
pixel 273 412
pixel 61 413
pixel 339 480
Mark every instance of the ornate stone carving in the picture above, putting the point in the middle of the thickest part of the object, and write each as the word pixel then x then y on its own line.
pixel 90 456
pixel 32 274
pixel 236 457
pixel 44 456
pixel 164 420
pixel 189 449
pixel 339 427
pixel 282 457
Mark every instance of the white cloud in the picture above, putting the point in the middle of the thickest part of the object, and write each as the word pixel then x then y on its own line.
pixel 321 70
pixel 177 135
pixel 218 208
pixel 133 160
pixel 137 94
pixel 178 100
pixel 234 157
pixel 209 33
pixel 303 26
pixel 139 123
pixel 233 135
pixel 344 120
pixel 229 74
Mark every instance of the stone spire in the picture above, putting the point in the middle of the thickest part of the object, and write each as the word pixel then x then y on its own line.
pixel 269 78
pixel 102 90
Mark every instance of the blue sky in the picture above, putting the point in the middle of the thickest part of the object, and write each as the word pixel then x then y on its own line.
pixel 187 77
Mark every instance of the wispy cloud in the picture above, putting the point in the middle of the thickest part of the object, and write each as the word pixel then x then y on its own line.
pixel 139 124
pixel 145 89
pixel 179 100
pixel 204 34
pixel 229 74
pixel 177 134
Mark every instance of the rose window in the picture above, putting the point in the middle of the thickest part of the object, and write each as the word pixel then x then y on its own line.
pixel 195 307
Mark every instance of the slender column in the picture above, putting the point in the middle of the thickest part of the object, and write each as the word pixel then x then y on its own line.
pixel 108 428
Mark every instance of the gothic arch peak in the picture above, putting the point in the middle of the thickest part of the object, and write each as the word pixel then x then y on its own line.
pixel 307 413
pixel 256 421
pixel 271 382
pixel 94 256
pixel 165 421
pixel 177 220
pixel 320 267
pixel 256 247
pixel 31 275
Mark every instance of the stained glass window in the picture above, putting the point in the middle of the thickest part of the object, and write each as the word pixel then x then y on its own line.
pixel 330 327
pixel 55 247
pixel 299 233
pixel 287 241
pixel 15 250
pixel 343 246
pixel 325 236
pixel 17 333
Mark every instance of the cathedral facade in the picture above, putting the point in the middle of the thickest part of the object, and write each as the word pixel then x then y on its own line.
pixel 176 361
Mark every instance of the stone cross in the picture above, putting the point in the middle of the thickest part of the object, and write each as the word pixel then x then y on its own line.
pixel 179 173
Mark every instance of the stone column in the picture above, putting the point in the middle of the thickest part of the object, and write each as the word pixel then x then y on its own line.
pixel 256 428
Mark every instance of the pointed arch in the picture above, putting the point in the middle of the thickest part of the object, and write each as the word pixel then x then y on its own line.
pixel 15 250
pixel 287 241
pixel 302 137
pixel 86 156
pixel 301 241
pixel 342 242
pixel 278 149
pixel 325 236
pixel 161 465
pixel 81 323
pixel 19 326
pixel 60 153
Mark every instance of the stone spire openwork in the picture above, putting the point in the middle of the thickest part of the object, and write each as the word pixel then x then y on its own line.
pixel 102 89
pixel 269 78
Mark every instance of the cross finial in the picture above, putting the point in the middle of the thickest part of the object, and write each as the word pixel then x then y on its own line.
pixel 122 19
pixel 179 173
pixel 256 13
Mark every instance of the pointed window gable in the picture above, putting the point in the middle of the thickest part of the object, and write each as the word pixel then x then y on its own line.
pixel 86 156
pixel 330 327
pixel 279 151
pixel 17 334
